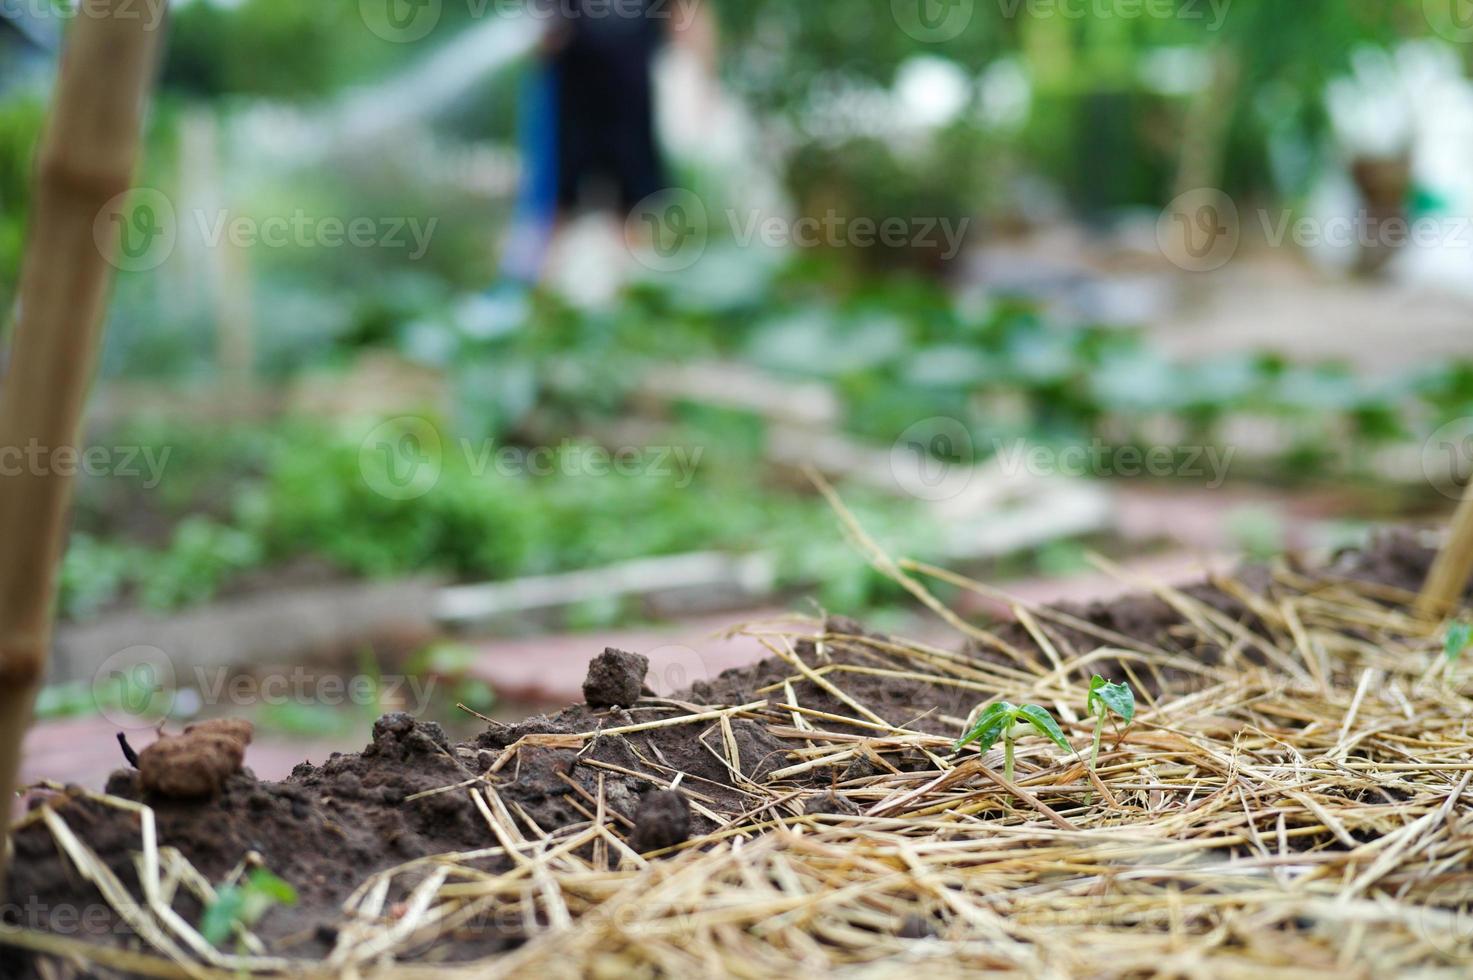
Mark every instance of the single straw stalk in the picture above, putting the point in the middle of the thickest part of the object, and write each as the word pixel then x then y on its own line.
pixel 86 162
pixel 1454 565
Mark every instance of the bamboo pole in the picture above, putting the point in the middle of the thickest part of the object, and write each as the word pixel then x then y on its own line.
pixel 85 163
pixel 1454 565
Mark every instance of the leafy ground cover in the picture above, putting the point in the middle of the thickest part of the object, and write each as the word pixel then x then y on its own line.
pixel 909 364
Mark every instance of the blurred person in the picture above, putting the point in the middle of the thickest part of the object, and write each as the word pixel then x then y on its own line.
pixel 587 126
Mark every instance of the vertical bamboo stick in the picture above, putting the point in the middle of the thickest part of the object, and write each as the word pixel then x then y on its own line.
pixel 86 161
pixel 1454 565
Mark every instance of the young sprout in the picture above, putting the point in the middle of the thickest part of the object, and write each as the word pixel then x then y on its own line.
pixel 1104 698
pixel 241 906
pixel 1011 722
pixel 1459 639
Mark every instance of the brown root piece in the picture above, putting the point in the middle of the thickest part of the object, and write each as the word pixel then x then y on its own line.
pixel 195 765
pixel 615 679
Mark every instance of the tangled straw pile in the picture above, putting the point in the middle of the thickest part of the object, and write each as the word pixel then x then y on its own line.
pixel 1300 807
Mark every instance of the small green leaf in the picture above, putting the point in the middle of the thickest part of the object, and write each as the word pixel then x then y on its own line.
pixel 1119 698
pixel 265 883
pixel 244 905
pixel 222 915
pixel 1040 719
pixel 997 719
pixel 1459 638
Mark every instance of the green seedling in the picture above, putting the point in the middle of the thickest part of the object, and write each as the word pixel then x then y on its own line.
pixel 1459 639
pixel 1105 698
pixel 1010 722
pixel 240 906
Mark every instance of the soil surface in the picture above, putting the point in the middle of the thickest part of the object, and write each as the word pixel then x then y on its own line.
pixel 327 827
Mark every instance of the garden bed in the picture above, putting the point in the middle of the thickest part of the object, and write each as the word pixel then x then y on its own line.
pixel 1292 794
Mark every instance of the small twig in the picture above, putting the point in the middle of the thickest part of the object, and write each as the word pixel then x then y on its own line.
pixel 128 752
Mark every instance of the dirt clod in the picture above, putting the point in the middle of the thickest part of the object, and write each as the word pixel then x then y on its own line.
pixel 663 820
pixel 861 768
pixel 916 927
pixel 615 679
pixel 196 764
pixel 830 803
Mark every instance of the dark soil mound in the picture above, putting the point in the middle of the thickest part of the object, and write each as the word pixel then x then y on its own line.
pixel 328 827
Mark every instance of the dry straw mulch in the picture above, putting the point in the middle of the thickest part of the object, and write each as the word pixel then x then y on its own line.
pixel 1300 808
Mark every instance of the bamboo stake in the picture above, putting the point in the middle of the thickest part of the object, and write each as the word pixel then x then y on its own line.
pixel 1454 565
pixel 86 162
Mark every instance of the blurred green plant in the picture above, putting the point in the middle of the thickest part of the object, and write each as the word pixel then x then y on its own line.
pixel 240 906
pixel 21 118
